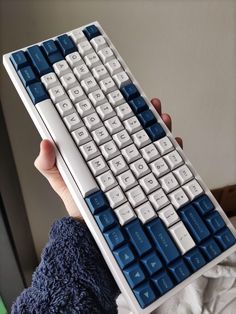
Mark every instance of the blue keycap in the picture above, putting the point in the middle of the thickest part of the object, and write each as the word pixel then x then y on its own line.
pixel 194 223
pixel 106 219
pixel 146 118
pixel 97 202
pixel 144 294
pixel 152 263
pixel 203 204
pixel 195 259
pixel 37 92
pixel 225 238
pixel 124 256
pixel 40 63
pixel 129 92
pixel 91 31
pixel 137 237
pixel 210 249
pixel 27 75
pixel 52 51
pixel 163 282
pixel 134 275
pixel 19 60
pixel 179 270
pixel 138 105
pixel 114 237
pixel 214 221
pixel 155 132
pixel 162 240
pixel 66 44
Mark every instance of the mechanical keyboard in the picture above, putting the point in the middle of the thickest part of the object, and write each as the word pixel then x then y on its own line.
pixel 153 218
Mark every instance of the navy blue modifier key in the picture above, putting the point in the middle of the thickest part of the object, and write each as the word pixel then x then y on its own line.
pixel 194 223
pixel 52 51
pixel 134 275
pixel 137 237
pixel 91 31
pixel 138 104
pixel 66 44
pixel 106 219
pixel 114 237
pixel 162 240
pixel 203 204
pixel 37 92
pixel 19 59
pixel 214 221
pixel 129 92
pixel 225 238
pixel 179 270
pixel 146 118
pixel 152 263
pixel 97 202
pixel 124 256
pixel 27 75
pixel 210 249
pixel 163 282
pixel 195 259
pixel 155 132
pixel 39 62
pixel 144 294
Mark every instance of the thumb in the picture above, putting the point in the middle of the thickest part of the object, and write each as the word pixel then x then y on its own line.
pixel 46 158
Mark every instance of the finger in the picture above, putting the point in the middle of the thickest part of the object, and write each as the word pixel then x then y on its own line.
pixel 167 120
pixel 46 158
pixel 156 104
pixel 179 141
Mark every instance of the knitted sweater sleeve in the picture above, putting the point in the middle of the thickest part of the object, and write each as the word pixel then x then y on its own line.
pixel 72 276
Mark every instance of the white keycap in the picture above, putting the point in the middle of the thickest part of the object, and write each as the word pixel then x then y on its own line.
pixel 107 85
pixel 89 84
pixel 113 125
pixel 121 79
pixel 97 97
pixel 125 214
pixel 124 111
pixel 101 135
pixel 106 54
pixel 74 59
pixel 106 181
pixel 76 94
pixel 149 183
pixel 182 237
pixel 132 125
pixel 169 182
pixel 65 107
pixel 173 159
pixel 158 199
pixel 159 167
pixel 136 196
pixel 61 68
pixel 81 136
pixel 118 165
pixel 183 174
pixel 122 139
pixel 98 165
pixel 73 121
pixel 145 212
pixel 89 150
pixel 109 150
pixel 68 80
pixel 92 121
pixel 57 93
pixel 116 98
pixel 139 168
pixel 92 60
pixel 84 107
pixel 114 66
pixel 49 80
pixel 127 180
pixel 98 43
pixel 168 215
pixel 164 145
pixel 178 198
pixel 81 71
pixel 115 197
pixel 141 138
pixel 85 48
pixel 78 36
pixel 193 189
pixel 100 72
pixel 130 153
pixel 150 153
pixel 105 111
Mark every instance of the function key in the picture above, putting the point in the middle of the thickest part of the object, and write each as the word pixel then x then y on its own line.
pixel 91 31
pixel 163 282
pixel 210 249
pixel 195 259
pixel 97 202
pixel 19 59
pixel 51 50
pixel 214 221
pixel 146 118
pixel 66 44
pixel 144 294
pixel 155 132
pixel 179 270
pixel 134 275
pixel 98 43
pixel 130 92
pixel 203 204
pixel 225 238
pixel 138 105
pixel 124 256
pixel 37 92
pixel 40 63
pixel 27 75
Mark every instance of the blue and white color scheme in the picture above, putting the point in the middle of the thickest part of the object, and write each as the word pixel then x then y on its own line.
pixel 153 218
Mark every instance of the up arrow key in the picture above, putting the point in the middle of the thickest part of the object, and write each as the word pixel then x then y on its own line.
pixel 137 275
pixel 146 294
pixel 153 264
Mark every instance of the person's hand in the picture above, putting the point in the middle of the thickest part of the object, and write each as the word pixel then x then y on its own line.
pixel 46 165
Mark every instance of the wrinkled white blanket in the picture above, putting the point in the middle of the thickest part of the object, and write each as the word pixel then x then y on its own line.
pixel 213 293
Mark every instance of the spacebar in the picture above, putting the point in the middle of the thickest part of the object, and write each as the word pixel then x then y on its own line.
pixel 69 151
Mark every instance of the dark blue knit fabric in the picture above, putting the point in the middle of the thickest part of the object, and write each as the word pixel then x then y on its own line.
pixel 72 276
